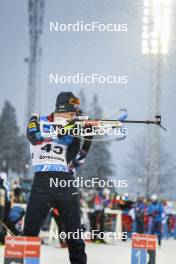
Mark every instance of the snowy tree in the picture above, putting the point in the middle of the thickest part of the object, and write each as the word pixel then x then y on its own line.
pixel 13 153
pixel 141 171
pixel 8 138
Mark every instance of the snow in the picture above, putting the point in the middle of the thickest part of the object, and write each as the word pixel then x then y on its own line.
pixel 104 254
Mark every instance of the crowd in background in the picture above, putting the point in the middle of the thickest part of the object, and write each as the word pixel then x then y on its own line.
pixel 152 216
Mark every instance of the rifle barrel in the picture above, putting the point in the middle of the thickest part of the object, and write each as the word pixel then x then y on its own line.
pixel 157 122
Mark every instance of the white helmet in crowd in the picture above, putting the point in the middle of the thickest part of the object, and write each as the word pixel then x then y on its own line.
pixel 154 197
pixel 3 176
pixel 106 192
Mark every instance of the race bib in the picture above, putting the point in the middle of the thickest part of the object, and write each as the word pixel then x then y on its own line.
pixel 48 153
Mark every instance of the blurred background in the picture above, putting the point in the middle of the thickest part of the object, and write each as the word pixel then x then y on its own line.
pixel 145 53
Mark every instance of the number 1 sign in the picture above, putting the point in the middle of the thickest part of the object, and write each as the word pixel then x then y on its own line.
pixel 143 249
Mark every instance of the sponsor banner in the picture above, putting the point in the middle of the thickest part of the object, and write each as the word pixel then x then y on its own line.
pixel 144 241
pixel 151 242
pixel 23 248
pixel 32 247
pixel 139 241
pixel 14 247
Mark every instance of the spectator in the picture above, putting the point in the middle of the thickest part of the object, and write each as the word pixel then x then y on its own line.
pixel 155 211
pixel 139 215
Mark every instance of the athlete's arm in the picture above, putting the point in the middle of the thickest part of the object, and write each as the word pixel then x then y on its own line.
pixel 81 155
pixel 33 132
pixel 73 149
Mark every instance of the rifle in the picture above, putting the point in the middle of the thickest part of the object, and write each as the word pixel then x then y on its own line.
pixel 117 123
pixel 51 129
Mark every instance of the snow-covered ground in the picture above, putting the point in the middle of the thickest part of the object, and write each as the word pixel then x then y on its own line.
pixel 105 254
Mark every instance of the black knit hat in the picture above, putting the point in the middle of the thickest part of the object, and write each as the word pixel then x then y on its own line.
pixel 67 102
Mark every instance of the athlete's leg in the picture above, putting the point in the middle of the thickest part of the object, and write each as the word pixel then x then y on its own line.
pixel 37 210
pixel 70 214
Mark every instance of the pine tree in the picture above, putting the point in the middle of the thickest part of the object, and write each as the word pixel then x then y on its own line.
pixel 8 137
pixel 12 145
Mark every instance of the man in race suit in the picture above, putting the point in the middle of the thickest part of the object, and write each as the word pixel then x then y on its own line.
pixel 56 159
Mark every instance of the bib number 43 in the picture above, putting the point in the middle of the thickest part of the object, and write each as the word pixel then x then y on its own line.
pixel 56 149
